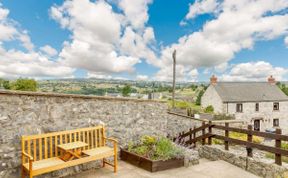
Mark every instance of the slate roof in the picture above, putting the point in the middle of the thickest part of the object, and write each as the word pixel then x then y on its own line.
pixel 249 92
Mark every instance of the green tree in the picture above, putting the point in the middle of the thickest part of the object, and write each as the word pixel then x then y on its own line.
pixel 285 90
pixel 194 87
pixel 25 85
pixel 126 90
pixel 283 87
pixel 198 99
pixel 1 82
pixel 6 84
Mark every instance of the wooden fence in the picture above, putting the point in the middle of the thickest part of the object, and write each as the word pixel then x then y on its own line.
pixel 193 136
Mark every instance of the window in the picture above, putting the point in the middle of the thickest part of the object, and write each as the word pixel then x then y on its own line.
pixel 275 122
pixel 257 107
pixel 275 106
pixel 239 107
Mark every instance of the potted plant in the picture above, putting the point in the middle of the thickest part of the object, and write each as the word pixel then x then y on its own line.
pixel 153 154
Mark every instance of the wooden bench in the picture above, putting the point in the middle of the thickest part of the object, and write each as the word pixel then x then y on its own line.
pixel 46 152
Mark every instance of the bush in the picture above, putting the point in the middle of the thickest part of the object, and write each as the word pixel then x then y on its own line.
pixel 24 85
pixel 156 148
pixel 126 90
pixel 209 109
pixel 217 141
pixel 6 84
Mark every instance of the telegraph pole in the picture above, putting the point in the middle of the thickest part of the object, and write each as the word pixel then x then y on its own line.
pixel 174 78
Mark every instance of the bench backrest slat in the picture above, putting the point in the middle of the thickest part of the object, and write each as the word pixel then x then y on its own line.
pixel 44 146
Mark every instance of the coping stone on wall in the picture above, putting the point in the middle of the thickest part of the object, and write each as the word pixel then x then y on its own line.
pixel 48 94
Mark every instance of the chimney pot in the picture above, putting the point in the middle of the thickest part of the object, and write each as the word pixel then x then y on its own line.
pixel 271 80
pixel 213 80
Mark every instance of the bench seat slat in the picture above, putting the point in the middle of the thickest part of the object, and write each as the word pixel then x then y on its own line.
pixel 99 150
pixel 45 163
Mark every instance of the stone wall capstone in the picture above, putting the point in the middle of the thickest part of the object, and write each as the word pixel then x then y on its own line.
pixel 25 113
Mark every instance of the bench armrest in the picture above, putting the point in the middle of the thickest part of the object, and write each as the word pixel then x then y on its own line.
pixel 27 156
pixel 111 139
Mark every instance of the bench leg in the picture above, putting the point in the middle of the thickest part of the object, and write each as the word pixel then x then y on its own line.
pixel 22 172
pixel 115 163
pixel 103 162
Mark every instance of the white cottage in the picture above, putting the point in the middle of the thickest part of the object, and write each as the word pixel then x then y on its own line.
pixel 261 104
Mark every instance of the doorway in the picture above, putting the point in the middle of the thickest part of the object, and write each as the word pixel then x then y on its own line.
pixel 257 124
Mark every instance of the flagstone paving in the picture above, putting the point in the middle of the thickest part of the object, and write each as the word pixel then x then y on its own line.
pixel 206 169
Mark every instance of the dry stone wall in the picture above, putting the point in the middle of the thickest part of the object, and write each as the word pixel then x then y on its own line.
pixel 24 113
pixel 257 165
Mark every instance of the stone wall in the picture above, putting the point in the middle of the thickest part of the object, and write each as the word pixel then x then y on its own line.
pixel 257 165
pixel 24 113
pixel 211 97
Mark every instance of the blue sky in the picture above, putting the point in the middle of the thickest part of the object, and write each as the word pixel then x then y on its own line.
pixel 135 40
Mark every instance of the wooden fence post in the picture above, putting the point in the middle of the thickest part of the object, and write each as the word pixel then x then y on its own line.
pixel 249 139
pixel 278 159
pixel 194 135
pixel 226 136
pixel 210 132
pixel 183 138
pixel 203 133
pixel 179 138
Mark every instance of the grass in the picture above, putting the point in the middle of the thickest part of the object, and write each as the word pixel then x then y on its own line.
pixel 242 136
pixel 184 105
pixel 284 145
pixel 272 156
pixel 239 136
pixel 217 141
pixel 186 92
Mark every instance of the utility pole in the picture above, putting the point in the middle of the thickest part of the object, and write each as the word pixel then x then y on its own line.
pixel 174 78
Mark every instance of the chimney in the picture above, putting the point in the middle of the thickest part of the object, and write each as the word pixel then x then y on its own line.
pixel 271 80
pixel 213 80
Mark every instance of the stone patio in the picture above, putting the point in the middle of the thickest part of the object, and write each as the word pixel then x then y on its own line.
pixel 206 169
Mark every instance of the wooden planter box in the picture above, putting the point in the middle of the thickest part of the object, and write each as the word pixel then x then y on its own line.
pixel 150 165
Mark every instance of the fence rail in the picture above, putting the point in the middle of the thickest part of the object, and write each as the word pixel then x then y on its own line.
pixel 193 138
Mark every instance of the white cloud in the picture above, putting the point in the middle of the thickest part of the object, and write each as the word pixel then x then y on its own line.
pixel 254 71
pixel 98 75
pixel 3 13
pixel 182 23
pixel 183 74
pixel 286 41
pixel 107 46
pixel 142 77
pixel 202 7
pixel 15 63
pixel 136 12
pixel 237 26
pixel 221 67
pixel 134 44
pixel 49 50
